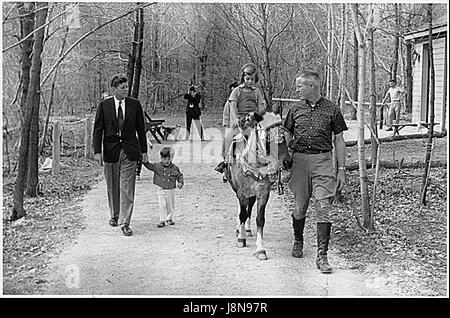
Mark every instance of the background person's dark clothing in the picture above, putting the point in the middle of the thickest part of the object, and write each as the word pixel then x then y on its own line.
pixel 192 108
pixel 193 112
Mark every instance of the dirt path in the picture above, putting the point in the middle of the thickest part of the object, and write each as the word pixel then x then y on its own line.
pixel 198 255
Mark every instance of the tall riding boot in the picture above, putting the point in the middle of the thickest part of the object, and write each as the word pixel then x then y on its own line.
pixel 323 238
pixel 299 225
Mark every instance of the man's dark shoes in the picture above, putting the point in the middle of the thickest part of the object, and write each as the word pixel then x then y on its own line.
pixel 126 230
pixel 113 222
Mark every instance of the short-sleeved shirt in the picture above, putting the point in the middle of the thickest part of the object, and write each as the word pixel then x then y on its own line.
pixel 247 99
pixel 165 177
pixel 395 93
pixel 312 127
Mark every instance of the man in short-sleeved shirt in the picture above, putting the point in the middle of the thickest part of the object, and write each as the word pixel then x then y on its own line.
pixel 396 95
pixel 311 125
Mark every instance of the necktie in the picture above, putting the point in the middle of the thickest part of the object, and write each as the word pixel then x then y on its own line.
pixel 120 117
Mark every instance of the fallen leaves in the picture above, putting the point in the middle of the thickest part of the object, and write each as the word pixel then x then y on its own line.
pixel 52 220
pixel 409 244
pixel 405 233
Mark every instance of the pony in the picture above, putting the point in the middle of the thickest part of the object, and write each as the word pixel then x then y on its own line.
pixel 256 158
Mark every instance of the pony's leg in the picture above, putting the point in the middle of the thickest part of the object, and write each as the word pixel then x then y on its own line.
pixel 251 203
pixel 241 241
pixel 260 220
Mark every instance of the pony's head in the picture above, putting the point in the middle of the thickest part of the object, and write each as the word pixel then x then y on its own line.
pixel 276 146
pixel 249 121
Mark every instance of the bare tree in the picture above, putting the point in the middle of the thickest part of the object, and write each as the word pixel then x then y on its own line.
pixel 31 102
pixel 343 55
pixel 132 55
pixel 373 93
pixel 431 92
pixel 256 32
pixel 394 65
pixel 138 65
pixel 355 70
pixel 362 48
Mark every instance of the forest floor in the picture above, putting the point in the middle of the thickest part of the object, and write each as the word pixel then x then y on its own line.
pixel 406 253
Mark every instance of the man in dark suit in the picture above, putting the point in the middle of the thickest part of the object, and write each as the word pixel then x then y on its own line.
pixel 119 127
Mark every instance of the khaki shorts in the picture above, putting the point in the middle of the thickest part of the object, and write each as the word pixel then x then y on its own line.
pixel 313 175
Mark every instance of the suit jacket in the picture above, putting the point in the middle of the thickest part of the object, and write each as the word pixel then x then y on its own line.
pixel 106 130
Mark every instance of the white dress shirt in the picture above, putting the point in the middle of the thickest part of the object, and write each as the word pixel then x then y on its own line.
pixel 116 102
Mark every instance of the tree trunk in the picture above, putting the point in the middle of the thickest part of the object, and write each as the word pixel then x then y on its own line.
pixel 409 77
pixel 267 64
pixel 32 98
pixel 33 156
pixel 52 92
pixel 331 53
pixel 431 119
pixel 138 65
pixel 360 118
pixel 343 64
pixel 203 68
pixel 132 56
pixel 396 43
pixel 355 71
pixel 328 66
pixel 373 94
pixel 155 66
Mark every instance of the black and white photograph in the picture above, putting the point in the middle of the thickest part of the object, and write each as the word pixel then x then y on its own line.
pixel 224 150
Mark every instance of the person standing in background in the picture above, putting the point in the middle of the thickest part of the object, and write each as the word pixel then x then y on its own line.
pixel 193 111
pixel 396 93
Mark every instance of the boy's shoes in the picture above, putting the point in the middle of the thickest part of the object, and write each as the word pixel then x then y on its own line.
pixel 220 167
pixel 113 222
pixel 126 230
pixel 163 224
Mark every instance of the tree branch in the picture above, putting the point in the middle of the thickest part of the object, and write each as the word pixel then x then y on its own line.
pixel 32 33
pixel 86 35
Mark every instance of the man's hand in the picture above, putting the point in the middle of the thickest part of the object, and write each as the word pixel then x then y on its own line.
pixel 144 157
pixel 180 185
pixel 98 158
pixel 340 178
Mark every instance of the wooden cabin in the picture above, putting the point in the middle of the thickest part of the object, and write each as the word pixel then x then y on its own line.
pixel 421 75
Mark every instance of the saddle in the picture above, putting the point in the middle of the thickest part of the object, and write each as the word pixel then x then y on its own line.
pixel 251 151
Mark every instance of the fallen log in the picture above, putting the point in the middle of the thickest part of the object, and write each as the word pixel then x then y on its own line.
pixel 397 165
pixel 395 138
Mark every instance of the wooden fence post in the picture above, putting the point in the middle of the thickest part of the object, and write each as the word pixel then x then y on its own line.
pixel 56 164
pixel 88 139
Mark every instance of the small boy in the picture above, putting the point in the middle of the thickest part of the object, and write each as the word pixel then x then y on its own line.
pixel 166 175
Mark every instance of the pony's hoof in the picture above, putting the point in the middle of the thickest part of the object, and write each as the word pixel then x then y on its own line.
pixel 248 233
pixel 261 255
pixel 241 242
